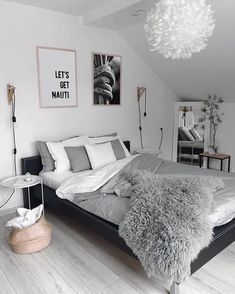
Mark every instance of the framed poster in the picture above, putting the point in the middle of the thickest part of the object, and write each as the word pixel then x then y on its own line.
pixel 57 77
pixel 106 79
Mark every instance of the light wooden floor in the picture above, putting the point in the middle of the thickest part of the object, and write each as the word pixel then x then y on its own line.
pixel 79 261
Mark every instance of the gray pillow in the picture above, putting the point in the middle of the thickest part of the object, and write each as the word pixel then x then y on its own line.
pixel 118 149
pixel 195 134
pixel 78 158
pixel 47 161
pixel 182 136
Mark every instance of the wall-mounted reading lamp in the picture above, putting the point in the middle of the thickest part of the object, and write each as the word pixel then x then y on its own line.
pixel 11 98
pixel 10 93
pixel 142 92
pixel 12 101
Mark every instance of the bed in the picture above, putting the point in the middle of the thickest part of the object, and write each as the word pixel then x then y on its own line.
pixel 224 235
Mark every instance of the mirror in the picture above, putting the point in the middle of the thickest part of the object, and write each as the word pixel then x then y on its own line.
pixel 190 132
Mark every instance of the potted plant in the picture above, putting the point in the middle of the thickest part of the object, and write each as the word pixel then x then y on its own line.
pixel 212 108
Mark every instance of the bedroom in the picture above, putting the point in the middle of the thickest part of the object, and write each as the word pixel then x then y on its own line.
pixel 94 27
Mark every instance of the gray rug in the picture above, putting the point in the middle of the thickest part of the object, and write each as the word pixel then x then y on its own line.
pixel 167 224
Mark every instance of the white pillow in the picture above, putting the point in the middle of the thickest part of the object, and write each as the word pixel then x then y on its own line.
pixel 99 140
pixel 100 154
pixel 187 134
pixel 59 155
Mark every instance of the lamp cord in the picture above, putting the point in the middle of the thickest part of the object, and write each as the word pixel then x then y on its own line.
pixel 140 125
pixel 160 145
pixel 145 102
pixel 13 111
pixel 8 199
pixel 13 131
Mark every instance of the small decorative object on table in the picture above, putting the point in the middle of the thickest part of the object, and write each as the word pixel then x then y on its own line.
pixel 219 156
pixel 214 114
pixel 37 235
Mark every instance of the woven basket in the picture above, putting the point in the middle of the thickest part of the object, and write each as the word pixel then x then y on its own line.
pixel 31 239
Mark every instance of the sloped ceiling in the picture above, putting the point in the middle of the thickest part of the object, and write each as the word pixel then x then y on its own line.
pixel 77 7
pixel 211 71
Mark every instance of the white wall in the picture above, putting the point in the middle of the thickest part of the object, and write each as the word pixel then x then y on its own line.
pixel 225 137
pixel 22 28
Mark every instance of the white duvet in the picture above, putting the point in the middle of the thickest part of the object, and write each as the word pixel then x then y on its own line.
pixel 92 180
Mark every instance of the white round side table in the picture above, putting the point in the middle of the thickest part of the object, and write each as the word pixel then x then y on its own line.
pixel 19 182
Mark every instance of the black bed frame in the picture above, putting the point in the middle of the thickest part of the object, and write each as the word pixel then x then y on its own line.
pixel 223 235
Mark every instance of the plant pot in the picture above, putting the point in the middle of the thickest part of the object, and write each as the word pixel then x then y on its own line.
pixel 213 149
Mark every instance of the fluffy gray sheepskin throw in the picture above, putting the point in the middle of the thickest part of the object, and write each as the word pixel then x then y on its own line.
pixel 168 224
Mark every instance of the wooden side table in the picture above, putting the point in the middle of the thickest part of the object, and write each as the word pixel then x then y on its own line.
pixel 219 156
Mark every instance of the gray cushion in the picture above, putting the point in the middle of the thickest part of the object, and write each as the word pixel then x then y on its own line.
pixel 118 149
pixel 195 134
pixel 47 161
pixel 182 136
pixel 78 158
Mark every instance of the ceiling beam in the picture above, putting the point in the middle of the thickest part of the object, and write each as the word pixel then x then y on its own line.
pixel 107 9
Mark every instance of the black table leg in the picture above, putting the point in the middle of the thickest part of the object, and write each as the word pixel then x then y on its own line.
pixel 208 162
pixel 200 161
pixel 221 164
pixel 229 164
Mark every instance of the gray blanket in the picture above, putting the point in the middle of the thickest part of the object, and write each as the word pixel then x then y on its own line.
pixel 167 224
pixel 120 185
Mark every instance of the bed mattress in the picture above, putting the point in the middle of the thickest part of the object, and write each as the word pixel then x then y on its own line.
pixel 112 208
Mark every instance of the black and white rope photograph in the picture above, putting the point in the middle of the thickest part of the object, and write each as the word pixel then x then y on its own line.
pixel 107 79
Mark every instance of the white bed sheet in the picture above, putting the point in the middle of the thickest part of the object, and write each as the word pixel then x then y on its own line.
pixel 224 204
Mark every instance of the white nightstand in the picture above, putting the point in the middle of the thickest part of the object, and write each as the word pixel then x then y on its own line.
pixel 19 182
pixel 151 151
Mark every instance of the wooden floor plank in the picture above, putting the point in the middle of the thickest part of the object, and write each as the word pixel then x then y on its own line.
pixel 19 276
pixel 79 261
pixel 5 284
pixel 126 267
